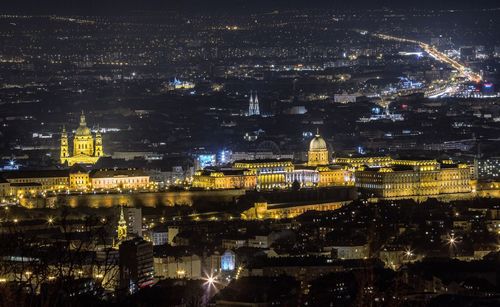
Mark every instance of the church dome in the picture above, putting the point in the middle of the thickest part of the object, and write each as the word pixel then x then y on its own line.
pixel 317 144
pixel 83 130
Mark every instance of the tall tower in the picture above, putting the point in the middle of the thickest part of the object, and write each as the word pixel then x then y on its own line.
pixel 121 230
pixel 64 145
pixel 256 109
pixel 98 144
pixel 250 105
pixel 253 105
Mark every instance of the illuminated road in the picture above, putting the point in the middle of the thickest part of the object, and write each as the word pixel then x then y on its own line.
pixel 438 55
pixel 441 91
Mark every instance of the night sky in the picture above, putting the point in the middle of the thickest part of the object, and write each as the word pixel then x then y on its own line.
pixel 124 6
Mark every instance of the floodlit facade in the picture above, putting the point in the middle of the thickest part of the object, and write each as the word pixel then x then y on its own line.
pixel 318 152
pixel 79 178
pixel 271 174
pixel 263 210
pixel 34 182
pixel 363 160
pixel 87 149
pixel 225 179
pixel 267 174
pixel 404 178
pixel 107 179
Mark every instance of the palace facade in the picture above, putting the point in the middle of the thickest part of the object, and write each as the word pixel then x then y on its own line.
pixel 409 178
pixel 87 149
pixel 35 183
pixel 268 174
pixel 225 179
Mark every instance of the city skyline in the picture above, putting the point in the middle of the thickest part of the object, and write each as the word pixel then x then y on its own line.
pixel 249 153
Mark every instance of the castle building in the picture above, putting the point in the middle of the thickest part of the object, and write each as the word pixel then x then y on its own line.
pixel 266 174
pixel 87 149
pixel 271 173
pixel 318 152
pixel 263 210
pixel 253 106
pixel 224 179
pixel 408 178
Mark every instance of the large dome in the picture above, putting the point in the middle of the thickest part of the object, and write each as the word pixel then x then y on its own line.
pixel 83 130
pixel 317 144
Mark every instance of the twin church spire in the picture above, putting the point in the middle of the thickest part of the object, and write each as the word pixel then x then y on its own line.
pixel 253 107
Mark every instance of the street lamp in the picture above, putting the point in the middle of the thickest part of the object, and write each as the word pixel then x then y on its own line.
pixel 409 253
pixel 452 242
pixel 210 280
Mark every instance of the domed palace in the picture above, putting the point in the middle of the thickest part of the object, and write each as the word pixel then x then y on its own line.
pixel 318 152
pixel 86 148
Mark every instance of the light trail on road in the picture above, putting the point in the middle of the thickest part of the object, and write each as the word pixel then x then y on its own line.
pixel 438 55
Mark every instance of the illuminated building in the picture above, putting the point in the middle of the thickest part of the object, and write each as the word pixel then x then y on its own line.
pixel 177 84
pixel 79 178
pixel 4 187
pixel 363 160
pixel 19 183
pixel 405 178
pixel 133 217
pixel 121 229
pixel 224 179
pixel 228 261
pixel 159 237
pixel 334 175
pixel 320 176
pixel 318 152
pixel 34 182
pixel 377 115
pixel 119 179
pixel 25 189
pixel 307 176
pixel 351 251
pixel 489 168
pixel 271 174
pixel 11 166
pixel 86 149
pixel 263 210
pixel 268 174
pixel 253 105
pixel 205 160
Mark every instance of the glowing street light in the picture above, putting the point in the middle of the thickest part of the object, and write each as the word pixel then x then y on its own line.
pixel 210 280
pixel 409 253
pixel 210 287
pixel 452 240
